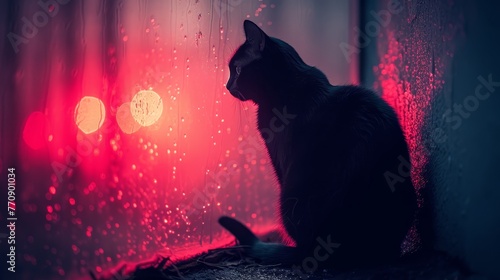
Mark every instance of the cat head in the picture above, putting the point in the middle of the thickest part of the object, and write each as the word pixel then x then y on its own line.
pixel 261 67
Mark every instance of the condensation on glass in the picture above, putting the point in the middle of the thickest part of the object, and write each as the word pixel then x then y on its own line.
pixel 130 145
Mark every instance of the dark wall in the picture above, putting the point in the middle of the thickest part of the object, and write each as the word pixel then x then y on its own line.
pixel 431 62
pixel 476 154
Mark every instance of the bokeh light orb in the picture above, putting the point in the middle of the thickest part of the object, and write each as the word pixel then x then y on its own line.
pixel 89 114
pixel 36 130
pixel 125 120
pixel 146 107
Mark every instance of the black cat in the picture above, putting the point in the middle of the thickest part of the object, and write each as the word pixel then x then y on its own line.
pixel 338 153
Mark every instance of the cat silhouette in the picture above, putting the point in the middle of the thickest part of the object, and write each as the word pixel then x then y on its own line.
pixel 338 153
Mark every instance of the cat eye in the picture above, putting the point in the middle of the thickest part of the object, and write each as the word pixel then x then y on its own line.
pixel 238 70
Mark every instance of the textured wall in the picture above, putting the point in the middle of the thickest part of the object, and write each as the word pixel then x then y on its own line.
pixel 432 61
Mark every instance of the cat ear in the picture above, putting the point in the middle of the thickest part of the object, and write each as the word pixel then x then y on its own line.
pixel 255 36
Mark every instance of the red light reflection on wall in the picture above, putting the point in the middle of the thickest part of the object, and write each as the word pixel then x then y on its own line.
pixel 415 50
pixel 410 106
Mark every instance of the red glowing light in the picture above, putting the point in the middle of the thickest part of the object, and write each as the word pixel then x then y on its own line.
pixel 36 130
pixel 152 187
pixel 89 114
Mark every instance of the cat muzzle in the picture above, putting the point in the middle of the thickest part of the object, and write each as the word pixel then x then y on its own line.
pixel 236 93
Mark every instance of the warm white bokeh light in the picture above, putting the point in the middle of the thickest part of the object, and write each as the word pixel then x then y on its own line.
pixel 146 107
pixel 125 120
pixel 89 114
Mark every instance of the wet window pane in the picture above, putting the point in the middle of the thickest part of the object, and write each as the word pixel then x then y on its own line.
pixel 125 141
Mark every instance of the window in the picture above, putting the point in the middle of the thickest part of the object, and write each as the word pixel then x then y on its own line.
pixel 130 145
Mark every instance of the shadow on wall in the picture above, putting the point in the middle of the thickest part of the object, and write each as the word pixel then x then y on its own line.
pixel 437 66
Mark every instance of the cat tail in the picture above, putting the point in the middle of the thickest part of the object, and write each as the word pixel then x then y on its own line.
pixel 267 253
pixel 239 230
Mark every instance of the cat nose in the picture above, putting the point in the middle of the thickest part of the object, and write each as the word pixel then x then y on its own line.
pixel 233 89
